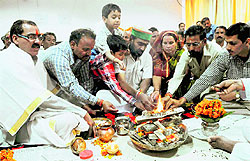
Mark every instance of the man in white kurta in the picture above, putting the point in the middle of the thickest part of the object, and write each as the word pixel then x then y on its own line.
pixel 239 150
pixel 30 113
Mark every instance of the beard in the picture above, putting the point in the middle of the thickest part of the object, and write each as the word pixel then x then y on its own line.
pixel 136 53
pixel 194 54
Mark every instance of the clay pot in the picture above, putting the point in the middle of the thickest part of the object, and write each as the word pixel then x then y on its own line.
pixel 105 133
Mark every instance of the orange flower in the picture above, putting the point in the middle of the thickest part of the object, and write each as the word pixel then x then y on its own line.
pixel 210 109
pixel 6 155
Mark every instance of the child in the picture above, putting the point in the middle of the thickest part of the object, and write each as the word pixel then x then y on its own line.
pixel 103 69
pixel 111 14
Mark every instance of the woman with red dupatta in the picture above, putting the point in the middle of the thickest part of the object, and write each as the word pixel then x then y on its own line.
pixel 166 52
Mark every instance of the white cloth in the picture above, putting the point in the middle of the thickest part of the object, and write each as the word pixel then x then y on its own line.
pixel 24 91
pixel 241 151
pixel 210 52
pixel 117 101
pixel 137 70
pixel 224 45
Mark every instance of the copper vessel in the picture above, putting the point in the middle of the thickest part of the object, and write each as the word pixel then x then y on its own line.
pixel 105 133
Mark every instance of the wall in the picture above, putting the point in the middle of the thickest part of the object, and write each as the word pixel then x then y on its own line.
pixel 63 16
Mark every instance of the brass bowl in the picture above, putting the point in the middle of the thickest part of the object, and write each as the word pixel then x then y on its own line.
pixel 77 145
pixel 102 122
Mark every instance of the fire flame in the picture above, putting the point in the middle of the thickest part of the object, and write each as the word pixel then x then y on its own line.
pixel 159 107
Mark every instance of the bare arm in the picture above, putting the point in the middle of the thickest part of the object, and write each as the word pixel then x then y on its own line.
pixel 125 86
pixel 157 87
pixel 145 84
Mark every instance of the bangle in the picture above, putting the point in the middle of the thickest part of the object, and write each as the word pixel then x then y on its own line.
pixel 138 93
pixel 168 94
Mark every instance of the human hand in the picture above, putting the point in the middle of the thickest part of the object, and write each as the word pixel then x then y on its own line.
pixel 228 97
pixel 155 95
pixel 173 103
pixel 139 105
pixel 228 85
pixel 89 120
pixel 221 142
pixel 165 99
pixel 108 107
pixel 89 110
pixel 91 123
pixel 121 64
pixel 146 101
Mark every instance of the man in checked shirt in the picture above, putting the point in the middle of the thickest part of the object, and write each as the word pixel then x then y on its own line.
pixel 106 74
pixel 236 64
pixel 68 63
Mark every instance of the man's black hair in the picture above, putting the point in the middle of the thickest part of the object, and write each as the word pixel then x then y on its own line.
pixel 152 29
pixel 240 29
pixel 76 35
pixel 196 30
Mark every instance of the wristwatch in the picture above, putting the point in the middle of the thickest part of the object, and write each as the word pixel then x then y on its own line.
pixel 237 95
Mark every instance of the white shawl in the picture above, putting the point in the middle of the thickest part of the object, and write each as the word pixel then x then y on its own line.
pixel 19 99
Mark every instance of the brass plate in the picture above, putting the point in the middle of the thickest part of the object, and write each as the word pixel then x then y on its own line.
pixel 102 121
pixel 156 148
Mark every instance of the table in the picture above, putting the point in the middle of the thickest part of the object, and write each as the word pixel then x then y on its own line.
pixel 194 148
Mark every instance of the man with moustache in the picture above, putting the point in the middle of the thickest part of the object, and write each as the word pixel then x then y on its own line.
pixel 209 28
pixel 138 63
pixel 219 36
pixel 68 63
pixel 196 58
pixel 30 112
pixel 236 63
pixel 6 40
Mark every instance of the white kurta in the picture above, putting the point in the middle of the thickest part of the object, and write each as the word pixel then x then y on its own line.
pixel 139 69
pixel 29 111
pixel 241 151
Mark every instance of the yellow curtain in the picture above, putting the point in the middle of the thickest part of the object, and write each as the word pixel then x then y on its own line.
pixel 220 12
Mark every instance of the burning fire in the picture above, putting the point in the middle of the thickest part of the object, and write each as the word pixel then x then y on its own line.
pixel 159 107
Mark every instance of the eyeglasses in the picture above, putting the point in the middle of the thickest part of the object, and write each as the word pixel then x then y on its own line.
pixel 31 37
pixel 195 44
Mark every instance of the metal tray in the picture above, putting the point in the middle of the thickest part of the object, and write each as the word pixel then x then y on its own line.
pixel 156 148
